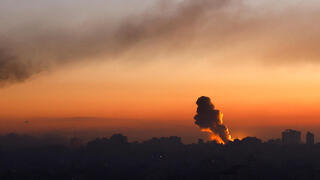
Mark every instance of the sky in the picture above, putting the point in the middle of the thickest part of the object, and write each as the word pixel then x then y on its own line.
pixel 93 68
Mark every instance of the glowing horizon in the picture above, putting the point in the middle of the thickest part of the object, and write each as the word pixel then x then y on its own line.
pixel 149 61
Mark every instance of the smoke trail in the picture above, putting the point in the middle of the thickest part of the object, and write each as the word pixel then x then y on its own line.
pixel 209 120
pixel 29 47
pixel 36 36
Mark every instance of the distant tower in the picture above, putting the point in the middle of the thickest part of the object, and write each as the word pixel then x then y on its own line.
pixel 290 136
pixel 310 138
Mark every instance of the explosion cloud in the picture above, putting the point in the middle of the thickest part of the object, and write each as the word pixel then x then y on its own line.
pixel 209 120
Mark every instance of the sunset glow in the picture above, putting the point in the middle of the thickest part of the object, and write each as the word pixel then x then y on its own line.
pixel 114 67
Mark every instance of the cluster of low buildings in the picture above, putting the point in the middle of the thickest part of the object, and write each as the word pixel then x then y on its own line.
pixel 290 136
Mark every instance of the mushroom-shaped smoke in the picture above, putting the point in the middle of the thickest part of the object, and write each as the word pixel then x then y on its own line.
pixel 210 120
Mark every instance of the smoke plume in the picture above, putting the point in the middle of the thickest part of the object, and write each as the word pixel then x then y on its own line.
pixel 209 120
pixel 39 35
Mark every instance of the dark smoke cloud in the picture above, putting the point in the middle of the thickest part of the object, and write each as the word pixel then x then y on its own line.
pixel 208 117
pixel 199 28
pixel 10 68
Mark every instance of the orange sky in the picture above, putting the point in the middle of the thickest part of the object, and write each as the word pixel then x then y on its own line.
pixel 162 95
pixel 140 67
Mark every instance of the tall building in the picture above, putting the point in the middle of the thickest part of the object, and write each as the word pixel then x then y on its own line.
pixel 310 138
pixel 290 136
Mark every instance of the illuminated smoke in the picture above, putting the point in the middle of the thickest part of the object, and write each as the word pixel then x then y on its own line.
pixel 209 120
pixel 36 36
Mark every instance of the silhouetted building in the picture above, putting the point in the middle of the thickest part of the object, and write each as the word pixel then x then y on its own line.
pixel 310 138
pixel 118 139
pixel 172 140
pixel 290 136
pixel 28 157
pixel 251 140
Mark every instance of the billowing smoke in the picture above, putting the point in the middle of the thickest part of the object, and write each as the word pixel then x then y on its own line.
pixel 39 35
pixel 47 39
pixel 209 120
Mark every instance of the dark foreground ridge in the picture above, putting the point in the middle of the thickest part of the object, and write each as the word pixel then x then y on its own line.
pixel 25 157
